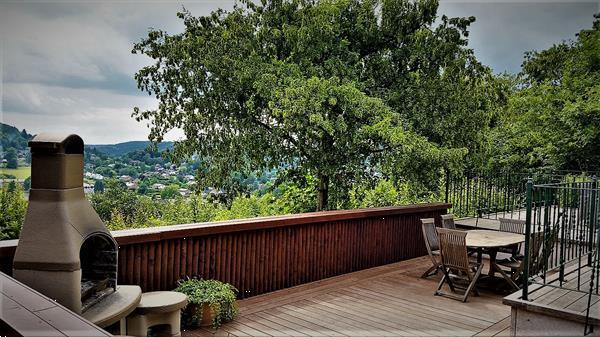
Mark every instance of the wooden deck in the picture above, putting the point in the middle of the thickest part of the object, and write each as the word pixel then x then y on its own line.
pixel 566 301
pixel 390 300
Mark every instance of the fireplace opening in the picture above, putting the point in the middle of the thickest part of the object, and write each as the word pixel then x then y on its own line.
pixel 98 258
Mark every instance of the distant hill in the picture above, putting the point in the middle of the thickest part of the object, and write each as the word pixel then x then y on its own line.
pixel 116 150
pixel 11 137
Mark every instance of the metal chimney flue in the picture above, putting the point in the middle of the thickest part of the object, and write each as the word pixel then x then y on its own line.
pixel 64 250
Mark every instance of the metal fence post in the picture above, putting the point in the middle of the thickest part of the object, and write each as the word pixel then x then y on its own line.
pixel 527 238
pixel 593 218
pixel 447 185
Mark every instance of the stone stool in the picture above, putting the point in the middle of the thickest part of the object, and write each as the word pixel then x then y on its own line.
pixel 157 308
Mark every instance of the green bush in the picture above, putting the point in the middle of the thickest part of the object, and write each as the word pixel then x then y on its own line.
pixel 12 211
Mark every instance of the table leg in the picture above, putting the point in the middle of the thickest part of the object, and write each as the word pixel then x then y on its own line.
pixel 494 267
pixel 123 326
pixel 479 255
pixel 492 253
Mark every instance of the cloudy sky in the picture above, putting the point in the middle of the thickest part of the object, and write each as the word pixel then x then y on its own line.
pixel 66 66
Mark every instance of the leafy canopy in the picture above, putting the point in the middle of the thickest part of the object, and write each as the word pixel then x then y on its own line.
pixel 331 88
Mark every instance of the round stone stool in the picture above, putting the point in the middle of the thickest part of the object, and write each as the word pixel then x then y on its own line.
pixel 157 308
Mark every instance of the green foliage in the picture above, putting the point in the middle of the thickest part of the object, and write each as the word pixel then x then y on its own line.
pixel 22 172
pixel 552 119
pixel 11 159
pixel 219 296
pixel 12 211
pixel 386 193
pixel 127 148
pixel 170 192
pixel 98 186
pixel 331 89
pixel 143 188
pixel 115 198
pixel 248 207
pixel 12 138
pixel 27 183
pixel 297 197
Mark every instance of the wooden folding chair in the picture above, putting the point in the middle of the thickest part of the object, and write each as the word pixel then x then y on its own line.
pixel 448 221
pixel 433 246
pixel 456 264
pixel 517 267
pixel 516 226
pixel 512 226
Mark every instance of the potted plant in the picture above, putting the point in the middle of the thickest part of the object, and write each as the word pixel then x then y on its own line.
pixel 210 302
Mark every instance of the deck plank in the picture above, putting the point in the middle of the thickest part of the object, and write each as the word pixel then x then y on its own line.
pixel 495 329
pixel 389 300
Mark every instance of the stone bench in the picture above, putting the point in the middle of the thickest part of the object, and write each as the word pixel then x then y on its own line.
pixel 157 308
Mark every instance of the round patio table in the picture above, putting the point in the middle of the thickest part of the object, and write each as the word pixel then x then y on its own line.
pixel 491 241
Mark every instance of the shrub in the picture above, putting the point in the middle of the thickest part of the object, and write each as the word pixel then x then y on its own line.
pixel 219 296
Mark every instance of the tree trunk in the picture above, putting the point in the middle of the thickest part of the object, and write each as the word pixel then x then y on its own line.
pixel 323 195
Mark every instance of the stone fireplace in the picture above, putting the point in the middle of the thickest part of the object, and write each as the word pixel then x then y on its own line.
pixel 64 249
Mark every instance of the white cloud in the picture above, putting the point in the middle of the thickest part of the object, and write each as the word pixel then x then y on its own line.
pixel 505 29
pixel 99 116
pixel 68 66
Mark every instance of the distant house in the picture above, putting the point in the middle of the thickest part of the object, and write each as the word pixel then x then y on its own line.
pixel 158 186
pixel 88 188
pixel 184 192
pixel 126 178
pixel 95 176
pixel 189 177
pixel 213 192
pixel 131 185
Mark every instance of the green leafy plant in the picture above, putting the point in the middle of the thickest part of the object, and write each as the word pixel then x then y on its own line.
pixel 220 297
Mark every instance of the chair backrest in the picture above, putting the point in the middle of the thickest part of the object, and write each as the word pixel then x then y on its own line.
pixel 535 245
pixel 453 248
pixel 512 225
pixel 448 221
pixel 430 235
pixel 548 242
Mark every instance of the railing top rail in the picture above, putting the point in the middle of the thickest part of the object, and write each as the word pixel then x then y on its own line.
pixel 576 185
pixel 139 235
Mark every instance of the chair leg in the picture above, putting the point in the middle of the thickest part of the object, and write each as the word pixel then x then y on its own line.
pixel 450 283
pixel 437 291
pixel 473 281
pixel 446 278
pixel 429 271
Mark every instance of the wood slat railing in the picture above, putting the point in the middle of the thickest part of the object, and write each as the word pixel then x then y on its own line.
pixel 265 254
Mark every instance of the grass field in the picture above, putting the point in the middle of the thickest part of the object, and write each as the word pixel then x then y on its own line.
pixel 20 172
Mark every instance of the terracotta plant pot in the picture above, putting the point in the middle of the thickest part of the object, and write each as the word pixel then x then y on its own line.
pixel 204 311
pixel 201 310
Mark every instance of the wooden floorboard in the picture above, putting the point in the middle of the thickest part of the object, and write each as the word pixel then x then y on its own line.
pixel 390 300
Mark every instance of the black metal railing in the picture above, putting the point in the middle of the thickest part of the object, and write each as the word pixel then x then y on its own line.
pixel 562 236
pixel 496 195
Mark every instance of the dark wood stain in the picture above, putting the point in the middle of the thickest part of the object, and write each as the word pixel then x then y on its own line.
pixel 266 254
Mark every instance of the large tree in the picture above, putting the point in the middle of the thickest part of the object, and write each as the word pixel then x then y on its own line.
pixel 341 89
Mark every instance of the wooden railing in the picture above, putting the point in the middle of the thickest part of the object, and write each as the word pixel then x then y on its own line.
pixel 265 254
